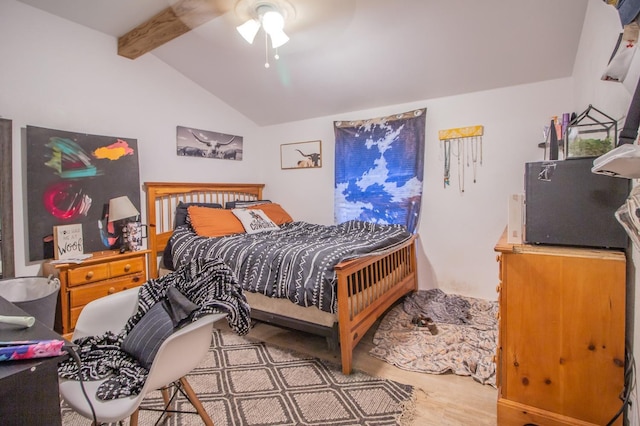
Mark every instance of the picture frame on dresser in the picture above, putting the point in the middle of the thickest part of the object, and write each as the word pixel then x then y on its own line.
pixel 67 241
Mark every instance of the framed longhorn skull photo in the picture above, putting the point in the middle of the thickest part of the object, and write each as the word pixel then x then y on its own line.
pixel 207 144
pixel 301 155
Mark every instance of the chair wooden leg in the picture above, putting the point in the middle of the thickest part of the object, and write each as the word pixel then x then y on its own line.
pixel 134 418
pixel 166 398
pixel 196 402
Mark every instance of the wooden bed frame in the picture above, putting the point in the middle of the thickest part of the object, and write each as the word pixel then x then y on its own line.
pixel 366 287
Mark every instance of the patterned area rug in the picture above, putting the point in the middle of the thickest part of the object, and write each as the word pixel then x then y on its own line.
pixel 245 382
pixel 464 343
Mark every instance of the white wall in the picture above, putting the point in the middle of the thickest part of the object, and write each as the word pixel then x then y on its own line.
pixel 457 230
pixel 599 35
pixel 61 75
pixel 64 76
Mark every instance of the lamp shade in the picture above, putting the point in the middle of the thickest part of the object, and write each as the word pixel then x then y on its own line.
pixel 249 29
pixel 278 38
pixel 121 208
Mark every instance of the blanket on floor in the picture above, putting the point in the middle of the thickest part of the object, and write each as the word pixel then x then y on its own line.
pixel 464 342
pixel 209 283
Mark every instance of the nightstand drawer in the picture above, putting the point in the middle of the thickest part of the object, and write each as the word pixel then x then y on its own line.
pixel 127 266
pixel 102 274
pixel 78 297
pixel 87 274
pixel 74 313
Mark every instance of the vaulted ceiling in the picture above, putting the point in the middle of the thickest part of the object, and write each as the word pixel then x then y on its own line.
pixel 344 55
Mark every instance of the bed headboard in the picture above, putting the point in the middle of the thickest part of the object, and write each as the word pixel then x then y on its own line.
pixel 163 197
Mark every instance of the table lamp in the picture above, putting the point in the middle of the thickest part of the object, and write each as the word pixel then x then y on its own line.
pixel 121 209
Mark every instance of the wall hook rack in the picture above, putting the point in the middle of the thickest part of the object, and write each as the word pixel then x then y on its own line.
pixel 467 143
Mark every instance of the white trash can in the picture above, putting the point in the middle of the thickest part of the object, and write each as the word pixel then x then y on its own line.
pixel 37 296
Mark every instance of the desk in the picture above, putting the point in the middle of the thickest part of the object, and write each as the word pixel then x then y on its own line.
pixel 28 388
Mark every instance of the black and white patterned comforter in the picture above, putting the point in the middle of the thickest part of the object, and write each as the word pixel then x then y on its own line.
pixel 295 262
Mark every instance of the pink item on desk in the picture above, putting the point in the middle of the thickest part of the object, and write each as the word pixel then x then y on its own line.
pixel 10 351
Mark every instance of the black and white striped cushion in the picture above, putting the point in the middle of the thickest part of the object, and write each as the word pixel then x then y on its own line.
pixel 144 340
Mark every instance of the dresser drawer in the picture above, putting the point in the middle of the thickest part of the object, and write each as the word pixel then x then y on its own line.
pixel 87 274
pixel 127 266
pixel 78 297
pixel 74 313
pixel 102 274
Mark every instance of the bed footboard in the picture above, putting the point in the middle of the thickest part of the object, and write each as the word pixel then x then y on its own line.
pixel 367 287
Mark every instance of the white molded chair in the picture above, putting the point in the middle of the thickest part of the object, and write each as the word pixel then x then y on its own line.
pixel 178 355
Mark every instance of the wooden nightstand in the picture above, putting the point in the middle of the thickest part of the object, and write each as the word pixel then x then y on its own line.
pixel 104 273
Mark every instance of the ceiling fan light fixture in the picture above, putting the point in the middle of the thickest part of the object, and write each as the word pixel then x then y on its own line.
pixel 268 15
pixel 272 21
pixel 278 38
pixel 249 29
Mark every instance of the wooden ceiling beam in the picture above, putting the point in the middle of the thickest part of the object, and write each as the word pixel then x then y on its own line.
pixel 172 22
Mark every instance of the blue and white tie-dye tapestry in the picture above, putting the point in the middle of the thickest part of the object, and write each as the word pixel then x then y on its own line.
pixel 380 169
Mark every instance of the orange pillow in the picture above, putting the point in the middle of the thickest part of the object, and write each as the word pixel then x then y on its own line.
pixel 275 212
pixel 208 222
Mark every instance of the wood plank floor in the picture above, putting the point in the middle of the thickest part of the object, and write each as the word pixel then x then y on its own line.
pixel 442 400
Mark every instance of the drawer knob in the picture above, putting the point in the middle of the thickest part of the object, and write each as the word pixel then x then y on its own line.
pixel 127 267
pixel 89 275
pixel 498 288
pixel 111 290
pixel 497 258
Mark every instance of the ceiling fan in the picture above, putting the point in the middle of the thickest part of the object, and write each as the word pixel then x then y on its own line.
pixel 268 15
pixel 181 16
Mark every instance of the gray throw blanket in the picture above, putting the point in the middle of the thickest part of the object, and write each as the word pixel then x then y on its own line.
pixel 439 306
pixel 209 283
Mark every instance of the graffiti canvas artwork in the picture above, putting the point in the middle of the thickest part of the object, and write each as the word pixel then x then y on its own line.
pixel 206 144
pixel 71 178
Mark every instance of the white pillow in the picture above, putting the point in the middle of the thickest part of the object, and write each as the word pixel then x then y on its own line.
pixel 254 220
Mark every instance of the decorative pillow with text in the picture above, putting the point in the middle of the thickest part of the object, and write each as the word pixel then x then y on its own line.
pixel 275 212
pixel 254 220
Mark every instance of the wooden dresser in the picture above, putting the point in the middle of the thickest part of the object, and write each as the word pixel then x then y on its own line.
pixel 104 273
pixel 561 347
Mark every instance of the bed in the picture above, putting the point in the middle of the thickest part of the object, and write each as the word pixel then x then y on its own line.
pixel 365 286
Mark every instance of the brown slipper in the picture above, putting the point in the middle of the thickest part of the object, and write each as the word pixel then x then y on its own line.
pixel 422 321
pixel 432 326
